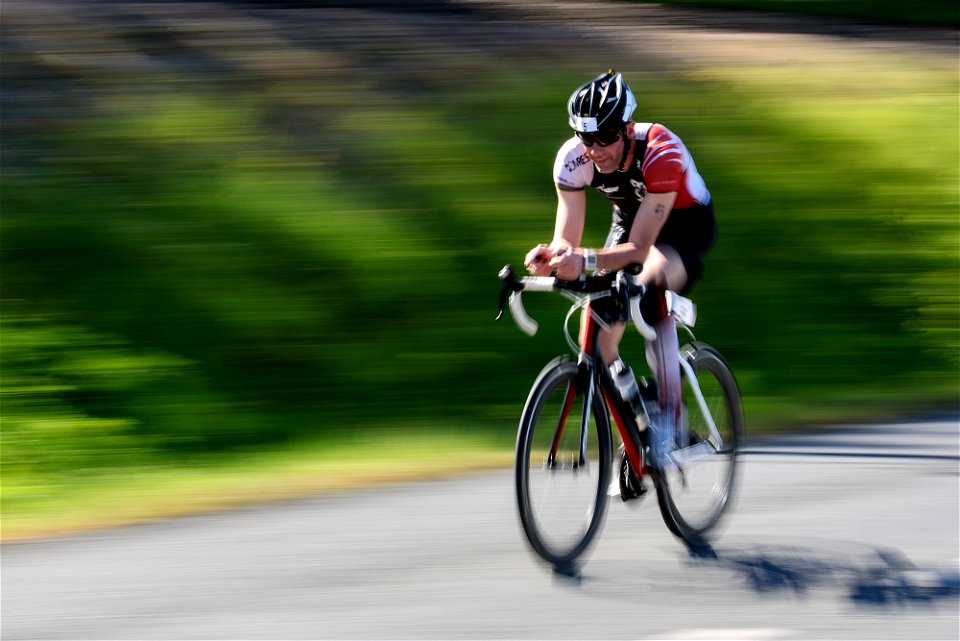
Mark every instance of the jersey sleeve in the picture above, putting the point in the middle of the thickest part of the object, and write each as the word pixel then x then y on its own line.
pixel 663 162
pixel 573 169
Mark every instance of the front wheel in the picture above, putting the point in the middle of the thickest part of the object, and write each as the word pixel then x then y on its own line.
pixel 563 464
pixel 697 485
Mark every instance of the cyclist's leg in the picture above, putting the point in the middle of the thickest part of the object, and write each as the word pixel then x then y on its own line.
pixel 610 341
pixel 666 270
pixel 676 263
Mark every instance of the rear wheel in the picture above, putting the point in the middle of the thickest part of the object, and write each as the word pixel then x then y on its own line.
pixel 563 464
pixel 697 487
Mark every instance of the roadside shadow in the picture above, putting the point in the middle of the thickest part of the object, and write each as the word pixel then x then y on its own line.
pixel 863 575
pixel 877 577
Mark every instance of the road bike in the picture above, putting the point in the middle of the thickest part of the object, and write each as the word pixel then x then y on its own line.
pixel 565 456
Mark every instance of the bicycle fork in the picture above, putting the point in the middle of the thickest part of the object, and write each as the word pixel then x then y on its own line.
pixel 569 398
pixel 587 381
pixel 583 381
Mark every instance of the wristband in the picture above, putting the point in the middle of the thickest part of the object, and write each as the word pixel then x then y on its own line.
pixel 589 261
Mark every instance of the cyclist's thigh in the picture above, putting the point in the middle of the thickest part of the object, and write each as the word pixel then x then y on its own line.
pixel 665 267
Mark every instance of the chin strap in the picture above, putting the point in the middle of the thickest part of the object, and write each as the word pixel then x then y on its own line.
pixel 627 147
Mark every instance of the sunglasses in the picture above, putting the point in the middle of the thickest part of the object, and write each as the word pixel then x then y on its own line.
pixel 600 138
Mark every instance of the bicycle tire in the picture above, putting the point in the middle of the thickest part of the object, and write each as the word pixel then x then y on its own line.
pixel 562 503
pixel 694 497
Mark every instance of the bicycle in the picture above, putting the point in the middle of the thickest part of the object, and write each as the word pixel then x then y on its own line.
pixel 562 479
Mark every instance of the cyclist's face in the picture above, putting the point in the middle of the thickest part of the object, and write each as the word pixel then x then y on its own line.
pixel 605 156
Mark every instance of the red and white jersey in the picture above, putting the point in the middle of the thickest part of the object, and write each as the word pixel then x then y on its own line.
pixel 661 164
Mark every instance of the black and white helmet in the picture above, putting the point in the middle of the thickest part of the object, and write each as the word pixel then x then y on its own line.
pixel 605 102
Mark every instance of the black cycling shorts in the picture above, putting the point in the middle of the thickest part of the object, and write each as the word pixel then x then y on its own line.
pixel 690 231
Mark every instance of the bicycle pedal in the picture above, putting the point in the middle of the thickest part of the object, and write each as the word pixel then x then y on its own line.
pixel 629 485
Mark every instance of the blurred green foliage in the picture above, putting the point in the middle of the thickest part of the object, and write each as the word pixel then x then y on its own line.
pixel 206 250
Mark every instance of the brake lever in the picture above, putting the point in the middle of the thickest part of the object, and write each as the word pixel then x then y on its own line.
pixel 630 294
pixel 510 285
pixel 504 292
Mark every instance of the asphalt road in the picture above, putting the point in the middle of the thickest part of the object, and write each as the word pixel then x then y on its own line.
pixel 849 533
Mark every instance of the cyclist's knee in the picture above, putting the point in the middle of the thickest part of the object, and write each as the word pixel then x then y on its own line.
pixel 664 267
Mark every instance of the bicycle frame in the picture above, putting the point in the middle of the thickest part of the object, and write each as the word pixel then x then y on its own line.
pixel 692 498
pixel 633 436
pixel 595 375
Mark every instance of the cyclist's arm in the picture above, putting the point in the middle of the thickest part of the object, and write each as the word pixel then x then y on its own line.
pixel 571 214
pixel 558 258
pixel 646 227
pixel 647 224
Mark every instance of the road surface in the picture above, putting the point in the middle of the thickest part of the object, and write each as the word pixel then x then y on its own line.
pixel 848 533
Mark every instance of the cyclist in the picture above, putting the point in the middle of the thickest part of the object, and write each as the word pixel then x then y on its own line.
pixel 663 219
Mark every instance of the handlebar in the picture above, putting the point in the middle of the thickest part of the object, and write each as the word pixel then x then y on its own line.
pixel 615 284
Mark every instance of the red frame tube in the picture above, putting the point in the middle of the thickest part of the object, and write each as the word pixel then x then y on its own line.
pixel 562 422
pixel 588 339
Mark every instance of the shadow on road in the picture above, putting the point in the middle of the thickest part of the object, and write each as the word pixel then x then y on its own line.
pixel 865 575
pixel 885 577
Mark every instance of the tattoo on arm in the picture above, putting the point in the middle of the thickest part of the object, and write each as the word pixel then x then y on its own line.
pixel 661 211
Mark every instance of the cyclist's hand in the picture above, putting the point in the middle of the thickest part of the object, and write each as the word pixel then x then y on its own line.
pixel 538 260
pixel 566 265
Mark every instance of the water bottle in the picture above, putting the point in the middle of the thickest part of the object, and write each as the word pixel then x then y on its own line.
pixel 626 384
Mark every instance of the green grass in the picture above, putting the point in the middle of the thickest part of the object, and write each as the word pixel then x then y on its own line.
pixel 169 248
pixel 92 499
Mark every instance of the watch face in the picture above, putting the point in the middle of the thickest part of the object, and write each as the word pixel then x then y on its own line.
pixel 589 260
